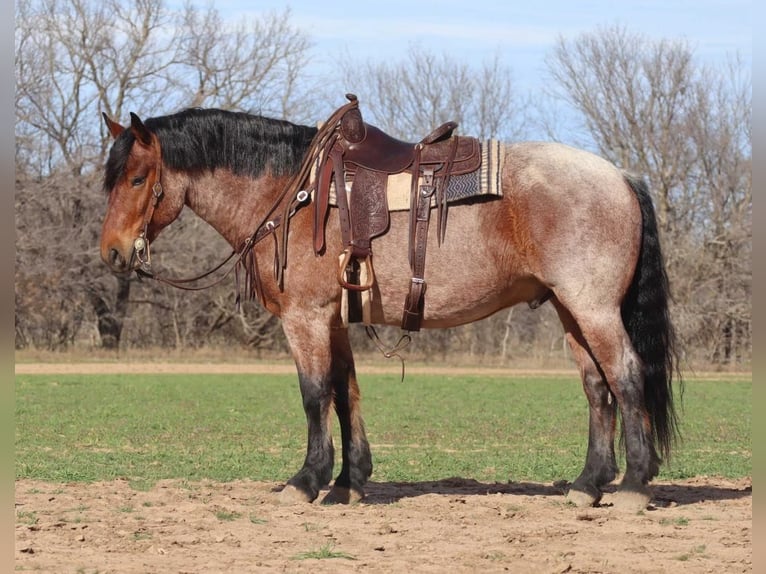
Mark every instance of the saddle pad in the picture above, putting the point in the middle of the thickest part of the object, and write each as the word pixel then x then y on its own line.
pixel 484 181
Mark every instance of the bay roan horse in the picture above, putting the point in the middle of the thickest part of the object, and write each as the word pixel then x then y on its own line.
pixel 569 227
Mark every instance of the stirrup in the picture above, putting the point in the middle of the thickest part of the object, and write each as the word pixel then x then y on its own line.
pixel 342 273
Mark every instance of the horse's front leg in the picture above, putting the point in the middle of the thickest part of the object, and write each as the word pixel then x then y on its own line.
pixel 325 364
pixel 357 461
pixel 309 339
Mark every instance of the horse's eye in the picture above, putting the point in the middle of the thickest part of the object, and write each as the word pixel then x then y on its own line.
pixel 138 180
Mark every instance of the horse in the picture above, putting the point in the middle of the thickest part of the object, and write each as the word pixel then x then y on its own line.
pixel 570 228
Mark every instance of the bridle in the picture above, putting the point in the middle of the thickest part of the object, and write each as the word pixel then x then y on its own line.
pixel 141 250
pixel 141 245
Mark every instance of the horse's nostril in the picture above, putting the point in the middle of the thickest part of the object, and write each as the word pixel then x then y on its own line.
pixel 116 260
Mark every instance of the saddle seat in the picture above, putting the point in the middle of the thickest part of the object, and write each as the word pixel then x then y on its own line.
pixel 381 152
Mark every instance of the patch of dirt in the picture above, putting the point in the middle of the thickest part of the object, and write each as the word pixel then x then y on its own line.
pixel 452 525
pixel 157 368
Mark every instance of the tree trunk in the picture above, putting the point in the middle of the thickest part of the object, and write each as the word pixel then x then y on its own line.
pixel 110 319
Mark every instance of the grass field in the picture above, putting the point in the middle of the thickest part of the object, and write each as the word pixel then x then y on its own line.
pixel 224 427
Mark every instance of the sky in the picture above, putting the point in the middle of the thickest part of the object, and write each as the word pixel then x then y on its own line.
pixel 522 32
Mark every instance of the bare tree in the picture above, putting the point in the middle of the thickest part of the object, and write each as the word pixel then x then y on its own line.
pixel 252 66
pixel 408 98
pixel 75 58
pixel 723 228
pixel 56 235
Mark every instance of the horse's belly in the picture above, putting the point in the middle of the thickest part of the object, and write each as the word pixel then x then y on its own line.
pixel 457 292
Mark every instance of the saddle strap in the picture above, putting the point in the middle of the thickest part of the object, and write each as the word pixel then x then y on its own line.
pixel 322 190
pixel 415 301
pixel 341 197
pixel 420 214
pixel 441 192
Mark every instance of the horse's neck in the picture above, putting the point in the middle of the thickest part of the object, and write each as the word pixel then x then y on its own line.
pixel 233 205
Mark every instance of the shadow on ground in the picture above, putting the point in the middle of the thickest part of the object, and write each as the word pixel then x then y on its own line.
pixel 664 494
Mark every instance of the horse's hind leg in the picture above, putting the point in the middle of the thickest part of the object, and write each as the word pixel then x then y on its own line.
pixel 357 461
pixel 611 349
pixel 600 464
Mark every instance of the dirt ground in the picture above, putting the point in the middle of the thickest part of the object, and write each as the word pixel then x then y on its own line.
pixel 451 525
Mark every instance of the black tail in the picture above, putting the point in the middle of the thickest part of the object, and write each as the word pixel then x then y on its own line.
pixel 647 320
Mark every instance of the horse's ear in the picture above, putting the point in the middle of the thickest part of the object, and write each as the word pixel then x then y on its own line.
pixel 140 130
pixel 114 128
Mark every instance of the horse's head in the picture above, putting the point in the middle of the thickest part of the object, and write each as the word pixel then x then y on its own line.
pixel 138 207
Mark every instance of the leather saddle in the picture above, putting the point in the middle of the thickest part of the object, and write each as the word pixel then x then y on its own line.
pixel 364 156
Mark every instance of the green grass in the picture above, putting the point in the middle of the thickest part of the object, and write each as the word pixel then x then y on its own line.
pixel 29 518
pixel 222 427
pixel 227 516
pixel 324 552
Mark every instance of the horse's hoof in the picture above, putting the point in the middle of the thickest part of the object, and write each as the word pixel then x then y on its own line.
pixel 342 495
pixel 631 500
pixel 293 495
pixel 582 498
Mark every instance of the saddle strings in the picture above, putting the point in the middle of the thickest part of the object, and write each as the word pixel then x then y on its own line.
pixel 404 341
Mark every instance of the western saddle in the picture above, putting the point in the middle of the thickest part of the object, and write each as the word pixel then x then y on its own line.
pixel 365 156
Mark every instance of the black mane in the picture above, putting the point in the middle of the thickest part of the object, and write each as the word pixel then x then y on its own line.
pixel 207 139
